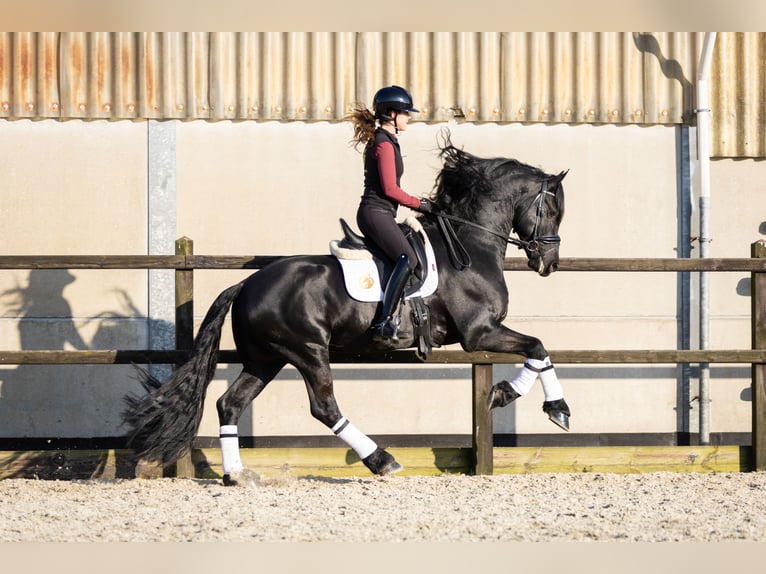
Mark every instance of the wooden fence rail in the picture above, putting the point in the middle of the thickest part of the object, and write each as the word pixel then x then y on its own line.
pixel 192 262
pixel 184 263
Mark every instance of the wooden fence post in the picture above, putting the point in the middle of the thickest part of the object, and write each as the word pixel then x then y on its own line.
pixel 184 298
pixel 482 435
pixel 758 385
pixel 184 281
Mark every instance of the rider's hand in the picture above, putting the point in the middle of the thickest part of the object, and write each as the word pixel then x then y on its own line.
pixel 427 206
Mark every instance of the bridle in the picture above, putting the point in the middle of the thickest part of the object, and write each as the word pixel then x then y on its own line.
pixel 533 244
pixel 539 244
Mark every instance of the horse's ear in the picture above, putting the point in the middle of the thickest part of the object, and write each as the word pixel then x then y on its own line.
pixel 557 179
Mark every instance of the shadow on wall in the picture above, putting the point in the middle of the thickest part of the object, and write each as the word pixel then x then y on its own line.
pixel 672 69
pixel 52 407
pixel 744 285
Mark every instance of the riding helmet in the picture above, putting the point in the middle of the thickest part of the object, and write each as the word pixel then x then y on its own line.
pixel 392 98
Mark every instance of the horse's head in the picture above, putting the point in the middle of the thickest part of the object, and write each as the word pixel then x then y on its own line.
pixel 537 221
pixel 500 195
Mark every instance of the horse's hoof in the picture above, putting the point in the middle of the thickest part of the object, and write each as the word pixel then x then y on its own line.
pixel 392 468
pixel 382 463
pixel 244 477
pixel 558 413
pixel 500 395
pixel 560 419
pixel 493 398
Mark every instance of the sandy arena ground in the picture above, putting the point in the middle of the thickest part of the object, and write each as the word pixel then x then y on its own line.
pixel 654 507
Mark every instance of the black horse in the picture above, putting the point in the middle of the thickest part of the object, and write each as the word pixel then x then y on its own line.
pixel 295 310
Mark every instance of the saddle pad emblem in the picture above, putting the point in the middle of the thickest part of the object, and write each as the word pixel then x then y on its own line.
pixel 367 281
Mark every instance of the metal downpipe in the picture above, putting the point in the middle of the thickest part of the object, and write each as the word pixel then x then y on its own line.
pixel 703 150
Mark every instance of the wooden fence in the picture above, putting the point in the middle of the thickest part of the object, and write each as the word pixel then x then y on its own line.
pixel 185 262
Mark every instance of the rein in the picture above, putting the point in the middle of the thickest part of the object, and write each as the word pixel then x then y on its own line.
pixel 460 256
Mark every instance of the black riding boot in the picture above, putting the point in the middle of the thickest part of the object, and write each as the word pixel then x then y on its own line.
pixel 387 329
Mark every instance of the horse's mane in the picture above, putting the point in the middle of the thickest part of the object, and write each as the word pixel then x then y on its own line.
pixel 466 181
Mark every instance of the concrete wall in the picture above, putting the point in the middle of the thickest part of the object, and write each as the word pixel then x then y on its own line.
pixel 279 188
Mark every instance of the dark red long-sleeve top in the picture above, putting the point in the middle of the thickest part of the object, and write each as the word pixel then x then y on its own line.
pixel 383 169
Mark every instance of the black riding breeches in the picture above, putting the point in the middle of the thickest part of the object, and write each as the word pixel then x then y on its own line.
pixel 379 226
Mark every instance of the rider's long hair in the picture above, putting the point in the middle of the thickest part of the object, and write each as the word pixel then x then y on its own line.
pixel 364 125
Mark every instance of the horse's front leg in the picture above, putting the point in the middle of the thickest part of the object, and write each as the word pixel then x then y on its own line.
pixel 537 365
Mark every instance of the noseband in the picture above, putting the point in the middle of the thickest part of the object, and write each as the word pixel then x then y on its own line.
pixel 535 244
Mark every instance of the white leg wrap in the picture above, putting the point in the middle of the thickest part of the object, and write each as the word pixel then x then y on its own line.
pixel 363 445
pixel 551 386
pixel 526 377
pixel 230 449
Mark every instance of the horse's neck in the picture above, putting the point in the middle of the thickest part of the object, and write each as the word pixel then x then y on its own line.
pixel 492 218
pixel 500 219
pixel 487 251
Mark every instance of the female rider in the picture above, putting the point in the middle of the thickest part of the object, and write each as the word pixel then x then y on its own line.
pixel 376 216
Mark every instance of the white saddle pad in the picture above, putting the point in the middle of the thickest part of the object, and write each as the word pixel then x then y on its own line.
pixel 361 274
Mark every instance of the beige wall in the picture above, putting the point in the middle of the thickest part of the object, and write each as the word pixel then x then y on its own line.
pixel 70 188
pixel 246 188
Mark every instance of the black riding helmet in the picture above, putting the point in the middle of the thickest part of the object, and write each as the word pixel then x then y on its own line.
pixel 391 98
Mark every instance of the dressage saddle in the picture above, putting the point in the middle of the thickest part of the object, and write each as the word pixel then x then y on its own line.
pixel 419 310
pixel 352 240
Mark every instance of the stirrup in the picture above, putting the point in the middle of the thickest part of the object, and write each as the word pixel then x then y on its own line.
pixel 388 331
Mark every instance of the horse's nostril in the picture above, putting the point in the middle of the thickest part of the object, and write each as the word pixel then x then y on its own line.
pixel 554 266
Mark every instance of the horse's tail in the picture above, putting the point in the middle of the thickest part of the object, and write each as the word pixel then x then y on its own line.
pixel 164 422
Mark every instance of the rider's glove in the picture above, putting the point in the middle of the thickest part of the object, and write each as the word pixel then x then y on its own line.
pixel 427 206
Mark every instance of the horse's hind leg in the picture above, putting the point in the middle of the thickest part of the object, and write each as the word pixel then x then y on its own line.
pixel 319 384
pixel 246 387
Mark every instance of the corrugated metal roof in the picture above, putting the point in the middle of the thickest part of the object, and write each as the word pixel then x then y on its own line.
pixel 738 95
pixel 582 77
